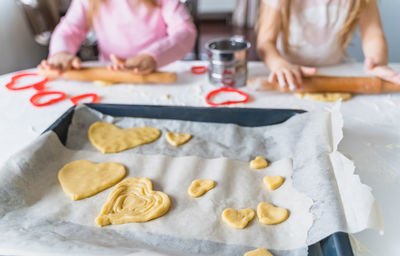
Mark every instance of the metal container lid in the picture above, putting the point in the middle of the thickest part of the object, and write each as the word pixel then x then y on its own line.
pixel 227 45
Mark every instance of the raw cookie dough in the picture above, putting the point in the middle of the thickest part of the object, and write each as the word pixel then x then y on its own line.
pixel 133 200
pixel 271 215
pixel 101 83
pixel 273 182
pixel 200 187
pixel 258 252
pixel 83 178
pixel 177 139
pixel 258 163
pixel 238 218
pixel 327 96
pixel 108 138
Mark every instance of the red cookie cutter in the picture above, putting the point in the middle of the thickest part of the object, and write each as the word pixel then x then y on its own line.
pixel 75 100
pixel 35 98
pixel 198 70
pixel 226 89
pixel 39 86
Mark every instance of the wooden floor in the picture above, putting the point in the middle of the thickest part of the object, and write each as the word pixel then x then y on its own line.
pixel 209 30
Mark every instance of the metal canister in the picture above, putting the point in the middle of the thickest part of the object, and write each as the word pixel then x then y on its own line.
pixel 228 61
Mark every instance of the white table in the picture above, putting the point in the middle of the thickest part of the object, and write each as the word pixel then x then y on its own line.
pixel 371 129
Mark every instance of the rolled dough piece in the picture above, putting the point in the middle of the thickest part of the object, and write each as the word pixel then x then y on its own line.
pixel 258 252
pixel 108 138
pixel 81 179
pixel 327 96
pixel 133 200
pixel 177 139
pixel 101 83
pixel 238 218
pixel 200 187
pixel 258 163
pixel 273 182
pixel 271 215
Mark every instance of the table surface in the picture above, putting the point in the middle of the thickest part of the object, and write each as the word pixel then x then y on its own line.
pixel 371 128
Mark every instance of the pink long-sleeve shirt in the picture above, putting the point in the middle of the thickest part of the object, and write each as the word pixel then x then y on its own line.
pixel 126 29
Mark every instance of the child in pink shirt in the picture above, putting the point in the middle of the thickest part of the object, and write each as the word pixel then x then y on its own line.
pixel 138 35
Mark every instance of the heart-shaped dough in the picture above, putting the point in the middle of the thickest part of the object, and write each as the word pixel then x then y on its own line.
pixel 108 138
pixel 133 200
pixel 83 178
pixel 177 139
pixel 258 163
pixel 273 182
pixel 238 218
pixel 271 215
pixel 200 187
pixel 258 252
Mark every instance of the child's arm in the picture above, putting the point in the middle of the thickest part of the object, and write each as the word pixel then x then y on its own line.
pixel 375 46
pixel 67 38
pixel 284 72
pixel 181 34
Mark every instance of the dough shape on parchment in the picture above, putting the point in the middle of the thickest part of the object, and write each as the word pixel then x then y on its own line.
pixel 258 163
pixel 238 218
pixel 133 200
pixel 81 179
pixel 269 214
pixel 273 182
pixel 258 252
pixel 326 96
pixel 177 139
pixel 200 187
pixel 108 138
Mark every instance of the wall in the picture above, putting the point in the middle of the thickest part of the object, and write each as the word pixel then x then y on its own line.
pixel 219 6
pixel 18 48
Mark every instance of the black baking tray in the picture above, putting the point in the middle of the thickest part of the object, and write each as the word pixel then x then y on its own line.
pixel 337 244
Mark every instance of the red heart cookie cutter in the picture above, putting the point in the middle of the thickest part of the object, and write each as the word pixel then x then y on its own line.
pixel 75 100
pixel 228 102
pixel 35 98
pixel 39 86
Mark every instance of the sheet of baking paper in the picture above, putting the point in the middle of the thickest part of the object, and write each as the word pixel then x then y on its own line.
pixel 46 207
pixel 310 139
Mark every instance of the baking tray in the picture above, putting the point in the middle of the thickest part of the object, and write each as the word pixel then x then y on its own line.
pixel 337 244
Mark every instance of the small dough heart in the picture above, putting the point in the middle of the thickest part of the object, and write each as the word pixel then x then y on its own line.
pixel 108 138
pixel 133 200
pixel 273 182
pixel 238 218
pixel 258 163
pixel 258 252
pixel 81 179
pixel 271 215
pixel 200 187
pixel 177 139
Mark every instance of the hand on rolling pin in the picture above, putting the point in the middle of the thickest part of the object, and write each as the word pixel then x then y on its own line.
pixel 141 64
pixel 61 62
pixel 289 76
pixel 381 71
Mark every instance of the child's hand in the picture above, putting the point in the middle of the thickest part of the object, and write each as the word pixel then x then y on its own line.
pixel 289 75
pixel 383 72
pixel 141 64
pixel 61 62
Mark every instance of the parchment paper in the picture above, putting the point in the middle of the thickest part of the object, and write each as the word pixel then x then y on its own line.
pixel 309 139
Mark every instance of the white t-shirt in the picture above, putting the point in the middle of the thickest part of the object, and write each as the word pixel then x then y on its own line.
pixel 313 29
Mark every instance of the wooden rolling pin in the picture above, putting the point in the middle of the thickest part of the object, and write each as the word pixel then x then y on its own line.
pixel 362 85
pixel 111 76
